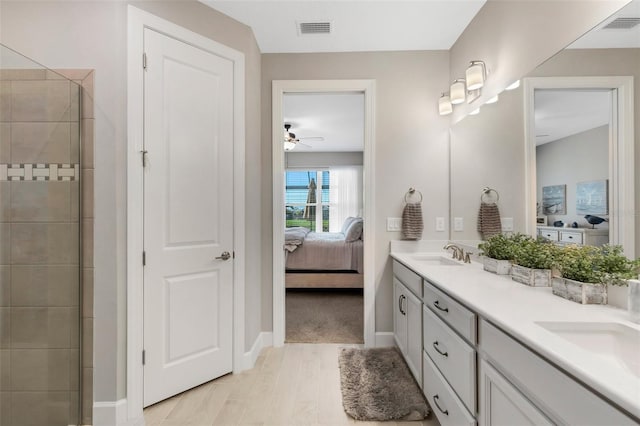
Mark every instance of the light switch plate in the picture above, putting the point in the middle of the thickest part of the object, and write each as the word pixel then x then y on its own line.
pixel 458 224
pixel 507 223
pixel 439 224
pixel 394 224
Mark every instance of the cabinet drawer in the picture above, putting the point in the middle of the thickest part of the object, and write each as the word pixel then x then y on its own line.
pixel 443 401
pixel 559 396
pixel 410 279
pixel 571 237
pixel 549 234
pixel 453 313
pixel 455 359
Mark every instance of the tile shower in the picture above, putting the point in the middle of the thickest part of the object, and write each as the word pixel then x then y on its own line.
pixel 45 242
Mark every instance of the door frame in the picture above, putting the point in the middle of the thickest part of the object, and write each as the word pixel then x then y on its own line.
pixel 621 151
pixel 279 88
pixel 138 20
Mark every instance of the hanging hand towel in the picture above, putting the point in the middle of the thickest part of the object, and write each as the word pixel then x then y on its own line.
pixel 412 221
pixel 489 220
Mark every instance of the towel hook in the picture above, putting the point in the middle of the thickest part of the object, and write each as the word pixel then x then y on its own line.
pixel 411 192
pixel 486 191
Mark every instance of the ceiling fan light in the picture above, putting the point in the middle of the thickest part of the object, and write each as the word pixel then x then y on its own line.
pixel 444 104
pixel 457 92
pixel 289 145
pixel 475 75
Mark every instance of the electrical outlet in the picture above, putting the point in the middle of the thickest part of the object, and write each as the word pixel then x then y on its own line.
pixel 394 224
pixel 439 224
pixel 507 223
pixel 458 224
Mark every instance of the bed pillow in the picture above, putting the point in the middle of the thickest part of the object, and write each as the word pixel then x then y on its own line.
pixel 347 223
pixel 354 232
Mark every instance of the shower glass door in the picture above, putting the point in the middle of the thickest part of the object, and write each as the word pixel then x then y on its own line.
pixel 40 236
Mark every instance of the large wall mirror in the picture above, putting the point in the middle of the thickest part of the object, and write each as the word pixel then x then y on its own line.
pixel 555 144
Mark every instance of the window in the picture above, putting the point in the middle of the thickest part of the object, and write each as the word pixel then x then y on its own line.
pixel 306 193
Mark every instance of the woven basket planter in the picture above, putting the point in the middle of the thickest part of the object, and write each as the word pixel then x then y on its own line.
pixel 500 267
pixel 576 291
pixel 531 277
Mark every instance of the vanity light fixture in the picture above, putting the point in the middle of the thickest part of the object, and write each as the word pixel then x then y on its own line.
pixel 476 74
pixel 444 104
pixel 513 85
pixel 458 92
pixel 475 111
pixel 492 100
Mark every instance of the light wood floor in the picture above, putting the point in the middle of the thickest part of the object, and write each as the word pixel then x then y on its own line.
pixel 298 384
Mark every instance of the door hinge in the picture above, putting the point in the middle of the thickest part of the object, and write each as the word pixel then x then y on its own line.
pixel 144 61
pixel 234 254
pixel 144 258
pixel 144 356
pixel 144 157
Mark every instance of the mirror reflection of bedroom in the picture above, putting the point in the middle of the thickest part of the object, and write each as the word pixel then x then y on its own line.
pixel 323 143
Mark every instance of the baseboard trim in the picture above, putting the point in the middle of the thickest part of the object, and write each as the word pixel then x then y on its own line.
pixel 384 339
pixel 110 413
pixel 264 339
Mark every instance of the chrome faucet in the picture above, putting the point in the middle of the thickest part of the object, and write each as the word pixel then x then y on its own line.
pixel 459 253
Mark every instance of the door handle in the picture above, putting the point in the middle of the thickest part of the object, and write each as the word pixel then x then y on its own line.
pixel 224 256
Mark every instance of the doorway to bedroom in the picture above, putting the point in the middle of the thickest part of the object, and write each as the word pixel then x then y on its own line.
pixel 319 137
pixel 323 154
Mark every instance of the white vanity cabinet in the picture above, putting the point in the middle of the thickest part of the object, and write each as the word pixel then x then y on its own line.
pixel 528 378
pixel 472 371
pixel 407 317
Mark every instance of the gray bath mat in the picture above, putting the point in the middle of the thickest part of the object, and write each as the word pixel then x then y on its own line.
pixel 378 386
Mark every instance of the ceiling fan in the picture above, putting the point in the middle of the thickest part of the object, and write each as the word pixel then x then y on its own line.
pixel 290 140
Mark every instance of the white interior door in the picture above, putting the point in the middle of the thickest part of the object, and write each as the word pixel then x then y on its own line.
pixel 188 216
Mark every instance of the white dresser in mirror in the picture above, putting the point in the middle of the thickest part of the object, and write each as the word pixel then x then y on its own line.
pixel 580 236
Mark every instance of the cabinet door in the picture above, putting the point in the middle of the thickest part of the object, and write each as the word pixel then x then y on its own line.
pixel 502 404
pixel 399 316
pixel 413 308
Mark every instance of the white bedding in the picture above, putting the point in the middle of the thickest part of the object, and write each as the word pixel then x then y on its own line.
pixel 326 251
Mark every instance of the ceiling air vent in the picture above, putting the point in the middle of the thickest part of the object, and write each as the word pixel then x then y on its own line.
pixel 323 27
pixel 622 24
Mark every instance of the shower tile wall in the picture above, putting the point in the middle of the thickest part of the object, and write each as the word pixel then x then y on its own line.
pixel 40 306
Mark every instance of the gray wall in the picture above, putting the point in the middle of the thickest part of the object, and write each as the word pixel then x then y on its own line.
pixel 577 158
pixel 411 145
pixel 92 35
pixel 322 159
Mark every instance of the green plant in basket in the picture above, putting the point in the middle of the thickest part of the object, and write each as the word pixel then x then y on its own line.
pixel 501 247
pixel 535 254
pixel 581 263
pixel 614 266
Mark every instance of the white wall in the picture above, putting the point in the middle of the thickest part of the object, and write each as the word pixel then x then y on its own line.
pixel 577 158
pixel 92 35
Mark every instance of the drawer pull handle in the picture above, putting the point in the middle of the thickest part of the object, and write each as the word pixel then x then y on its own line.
pixel 435 346
pixel 435 401
pixel 437 305
pixel 402 296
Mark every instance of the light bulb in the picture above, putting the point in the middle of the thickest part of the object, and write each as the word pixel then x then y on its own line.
pixel 457 92
pixel 444 105
pixel 475 75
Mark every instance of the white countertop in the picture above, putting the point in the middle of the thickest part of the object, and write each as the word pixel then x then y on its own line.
pixel 516 308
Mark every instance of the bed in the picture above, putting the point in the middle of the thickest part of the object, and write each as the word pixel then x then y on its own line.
pixel 325 259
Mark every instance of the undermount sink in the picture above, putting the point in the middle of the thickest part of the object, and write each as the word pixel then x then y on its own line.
pixel 435 260
pixel 614 342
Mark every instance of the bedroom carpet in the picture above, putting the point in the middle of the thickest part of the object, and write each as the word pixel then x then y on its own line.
pixel 378 386
pixel 324 316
